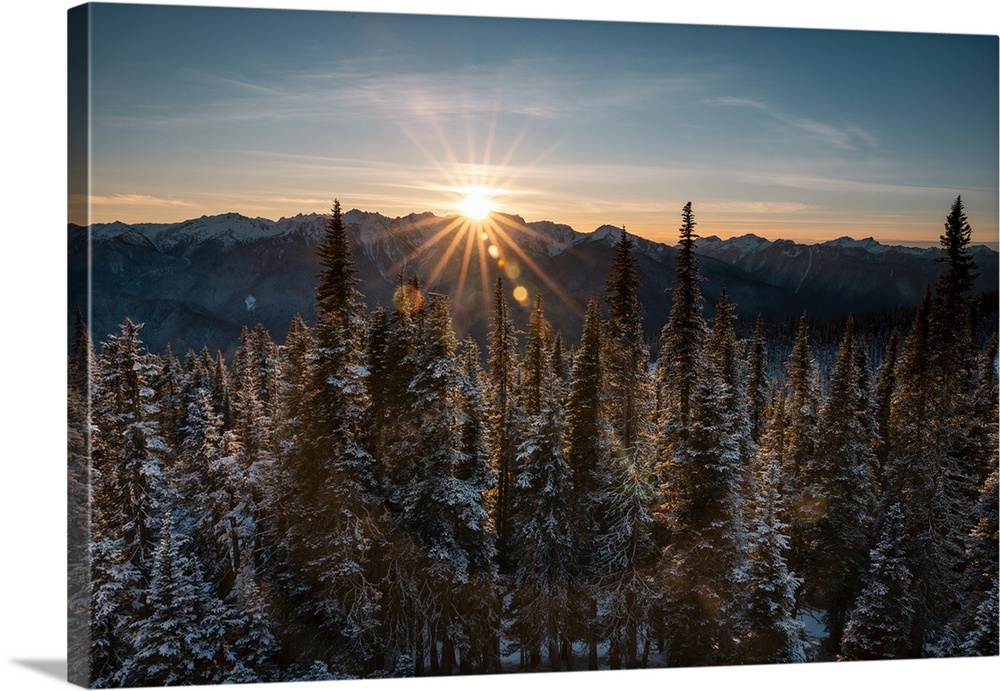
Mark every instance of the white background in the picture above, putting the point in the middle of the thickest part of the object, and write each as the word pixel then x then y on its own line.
pixel 32 387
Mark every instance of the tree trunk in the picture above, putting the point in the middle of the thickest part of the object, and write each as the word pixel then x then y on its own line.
pixel 433 650
pixel 418 662
pixel 614 653
pixel 447 655
pixel 631 643
pixel 658 624
pixel 836 629
pixel 592 635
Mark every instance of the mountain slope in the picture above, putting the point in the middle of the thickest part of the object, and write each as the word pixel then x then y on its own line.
pixel 200 281
pixel 843 275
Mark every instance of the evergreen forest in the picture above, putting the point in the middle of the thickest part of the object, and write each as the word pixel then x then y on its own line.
pixel 368 496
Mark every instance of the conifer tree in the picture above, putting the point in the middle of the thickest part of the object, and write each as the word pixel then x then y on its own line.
pixel 254 400
pixel 679 369
pixel 706 561
pixel 682 338
pixel 204 370
pixel 880 624
pixel 394 362
pixel 722 354
pixel 963 434
pixel 393 365
pixel 170 399
pixel 984 401
pixel 378 385
pixel 218 516
pixel 561 364
pixel 501 412
pixel 541 607
pixel 200 480
pixel 700 477
pixel 82 357
pixel 117 590
pixel 721 347
pixel 253 647
pixel 129 452
pixel 442 510
pixel 911 402
pixel 256 356
pixel 626 557
pixel 129 492
pixel 247 473
pixel 179 640
pixel 773 633
pixel 589 450
pixel 843 479
pixel 79 378
pixel 535 359
pixel 960 272
pixel 630 400
pixel 756 385
pixel 885 384
pixel 333 517
pixel 294 375
pixel 479 611
pixel 279 501
pixel 977 629
pixel 626 355
pixel 941 447
pixel 801 412
pixel 918 480
pixel 220 388
pixel 625 538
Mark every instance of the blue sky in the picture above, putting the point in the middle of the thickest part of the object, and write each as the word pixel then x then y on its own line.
pixel 803 134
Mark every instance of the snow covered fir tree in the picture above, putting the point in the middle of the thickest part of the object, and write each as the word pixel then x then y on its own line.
pixel 373 496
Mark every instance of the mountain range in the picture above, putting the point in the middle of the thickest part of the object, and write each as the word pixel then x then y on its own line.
pixel 201 281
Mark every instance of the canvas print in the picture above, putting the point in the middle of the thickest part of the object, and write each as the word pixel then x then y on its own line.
pixel 406 345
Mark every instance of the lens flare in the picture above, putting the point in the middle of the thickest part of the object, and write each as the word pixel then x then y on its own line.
pixel 407 299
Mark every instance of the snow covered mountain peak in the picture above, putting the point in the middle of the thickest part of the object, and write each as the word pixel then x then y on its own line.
pixel 868 244
pixel 608 234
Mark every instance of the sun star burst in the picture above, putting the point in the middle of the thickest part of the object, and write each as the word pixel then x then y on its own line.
pixel 476 204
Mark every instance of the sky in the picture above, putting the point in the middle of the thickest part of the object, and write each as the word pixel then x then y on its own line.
pixel 32 513
pixel 801 134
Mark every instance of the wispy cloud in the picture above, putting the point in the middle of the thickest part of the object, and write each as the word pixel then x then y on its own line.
pixel 358 92
pixel 850 138
pixel 756 207
pixel 138 200
pixel 825 183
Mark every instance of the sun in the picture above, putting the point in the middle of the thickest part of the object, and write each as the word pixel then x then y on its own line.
pixel 477 204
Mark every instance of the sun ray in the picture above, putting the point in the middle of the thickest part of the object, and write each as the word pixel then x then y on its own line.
pixel 483 267
pixel 446 256
pixel 470 240
pixel 426 244
pixel 556 288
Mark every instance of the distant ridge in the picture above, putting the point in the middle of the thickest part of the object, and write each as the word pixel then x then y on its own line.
pixel 201 280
